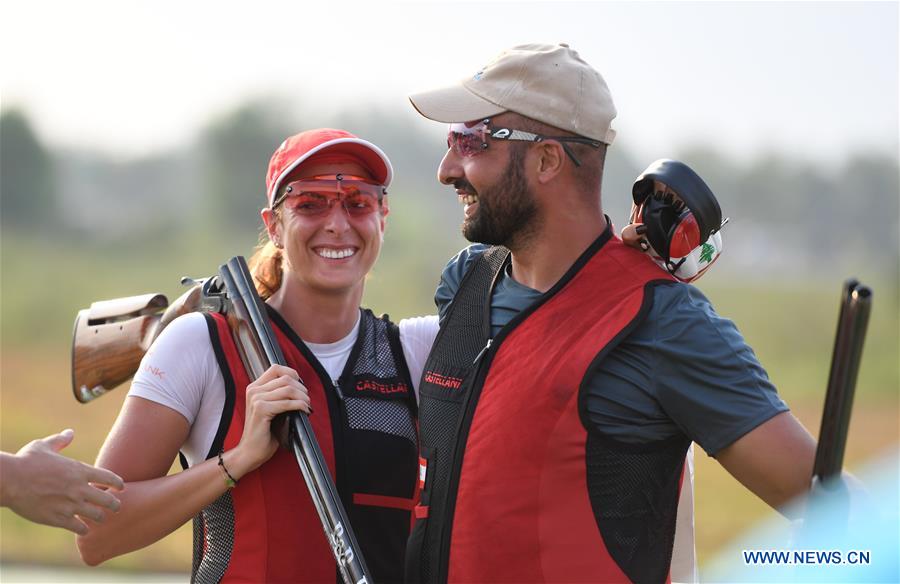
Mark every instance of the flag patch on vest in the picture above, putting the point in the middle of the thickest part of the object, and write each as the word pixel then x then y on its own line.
pixel 423 471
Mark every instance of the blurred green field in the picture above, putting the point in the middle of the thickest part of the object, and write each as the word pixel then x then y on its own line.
pixel 790 325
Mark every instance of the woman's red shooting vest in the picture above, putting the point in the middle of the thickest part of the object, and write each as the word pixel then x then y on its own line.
pixel 266 529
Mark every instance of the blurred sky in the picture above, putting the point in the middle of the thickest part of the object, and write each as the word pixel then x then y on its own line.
pixel 812 80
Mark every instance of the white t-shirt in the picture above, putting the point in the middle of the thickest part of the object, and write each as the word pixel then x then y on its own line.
pixel 180 371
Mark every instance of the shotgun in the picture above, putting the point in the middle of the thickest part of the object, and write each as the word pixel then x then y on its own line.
pixel 112 336
pixel 853 318
pixel 233 294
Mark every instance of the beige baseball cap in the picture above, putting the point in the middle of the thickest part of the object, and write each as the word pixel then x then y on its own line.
pixel 548 83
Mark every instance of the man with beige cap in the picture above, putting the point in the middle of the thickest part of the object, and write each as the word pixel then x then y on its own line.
pixel 570 375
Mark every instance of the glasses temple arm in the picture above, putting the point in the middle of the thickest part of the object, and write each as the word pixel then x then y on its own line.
pixel 570 154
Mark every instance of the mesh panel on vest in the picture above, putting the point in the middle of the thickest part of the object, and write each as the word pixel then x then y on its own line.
pixel 198 530
pixel 466 337
pixel 634 496
pixel 375 358
pixel 388 416
pixel 218 520
pixel 462 337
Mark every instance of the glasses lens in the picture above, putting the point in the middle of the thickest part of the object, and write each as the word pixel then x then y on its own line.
pixel 309 203
pixel 313 197
pixel 467 141
pixel 359 202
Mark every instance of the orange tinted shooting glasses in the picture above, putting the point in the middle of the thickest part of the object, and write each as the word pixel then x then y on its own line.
pixel 316 195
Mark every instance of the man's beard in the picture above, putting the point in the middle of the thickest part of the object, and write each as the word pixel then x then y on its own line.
pixel 507 211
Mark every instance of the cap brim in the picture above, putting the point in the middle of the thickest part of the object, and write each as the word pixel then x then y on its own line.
pixel 453 104
pixel 372 157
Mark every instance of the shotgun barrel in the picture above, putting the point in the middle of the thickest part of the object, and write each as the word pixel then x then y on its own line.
pixel 235 295
pixel 853 318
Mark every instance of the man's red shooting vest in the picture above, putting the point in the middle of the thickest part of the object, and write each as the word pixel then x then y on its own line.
pixel 507 495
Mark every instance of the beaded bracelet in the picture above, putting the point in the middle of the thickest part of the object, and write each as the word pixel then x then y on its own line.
pixel 230 481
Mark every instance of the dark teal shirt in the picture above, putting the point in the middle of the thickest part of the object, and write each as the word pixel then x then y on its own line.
pixel 683 370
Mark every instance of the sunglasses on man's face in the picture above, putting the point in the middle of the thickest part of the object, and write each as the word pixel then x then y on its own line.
pixel 315 196
pixel 471 140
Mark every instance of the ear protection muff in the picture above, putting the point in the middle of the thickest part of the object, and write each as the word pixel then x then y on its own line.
pixel 682 217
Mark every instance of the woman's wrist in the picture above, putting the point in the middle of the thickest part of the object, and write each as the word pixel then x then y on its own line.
pixel 234 463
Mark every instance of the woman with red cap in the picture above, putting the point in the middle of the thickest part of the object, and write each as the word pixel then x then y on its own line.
pixel 254 520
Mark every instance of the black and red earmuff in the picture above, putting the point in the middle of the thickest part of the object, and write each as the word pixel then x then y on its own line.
pixel 682 217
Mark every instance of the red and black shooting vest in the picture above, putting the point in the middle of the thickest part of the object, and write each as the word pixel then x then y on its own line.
pixel 518 487
pixel 266 529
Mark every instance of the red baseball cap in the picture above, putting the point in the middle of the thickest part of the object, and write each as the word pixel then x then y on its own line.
pixel 325 145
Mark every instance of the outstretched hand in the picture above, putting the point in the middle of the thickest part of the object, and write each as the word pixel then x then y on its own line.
pixel 46 487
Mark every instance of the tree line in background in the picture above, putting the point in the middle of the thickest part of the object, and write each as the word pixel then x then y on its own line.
pixel 787 215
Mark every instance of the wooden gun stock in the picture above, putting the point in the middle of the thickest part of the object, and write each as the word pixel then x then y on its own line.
pixel 112 336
